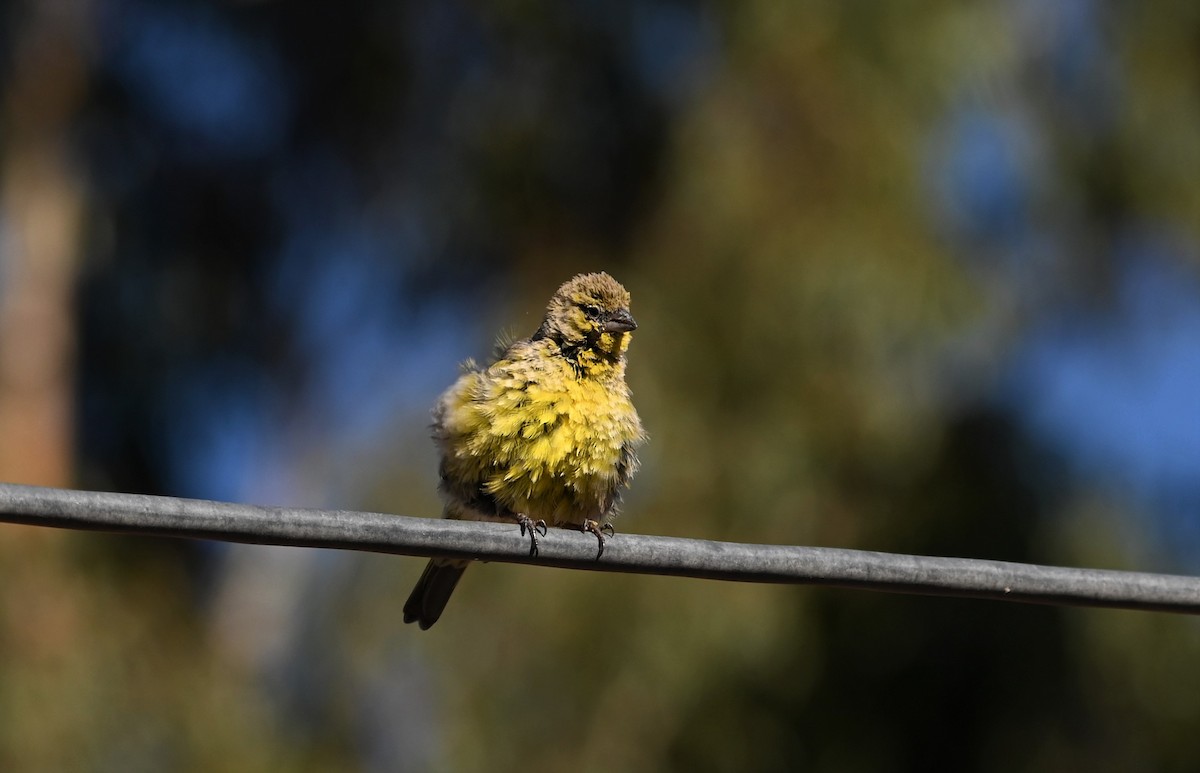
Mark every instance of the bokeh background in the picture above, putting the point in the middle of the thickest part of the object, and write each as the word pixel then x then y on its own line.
pixel 917 277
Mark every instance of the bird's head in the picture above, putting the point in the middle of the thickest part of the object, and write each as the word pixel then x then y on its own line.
pixel 590 314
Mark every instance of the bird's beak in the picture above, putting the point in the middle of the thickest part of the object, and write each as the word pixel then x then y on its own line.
pixel 620 322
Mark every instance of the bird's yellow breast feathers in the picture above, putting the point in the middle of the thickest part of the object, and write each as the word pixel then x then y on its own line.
pixel 548 430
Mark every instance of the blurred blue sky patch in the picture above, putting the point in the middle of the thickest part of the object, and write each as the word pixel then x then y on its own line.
pixel 673 46
pixel 982 175
pixel 1118 387
pixel 223 92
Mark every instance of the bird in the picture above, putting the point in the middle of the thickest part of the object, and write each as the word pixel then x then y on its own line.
pixel 544 434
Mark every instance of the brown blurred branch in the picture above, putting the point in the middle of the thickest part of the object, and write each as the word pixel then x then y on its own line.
pixel 376 532
pixel 41 204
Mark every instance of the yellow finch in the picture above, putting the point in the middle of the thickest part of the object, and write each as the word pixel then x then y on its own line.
pixel 546 434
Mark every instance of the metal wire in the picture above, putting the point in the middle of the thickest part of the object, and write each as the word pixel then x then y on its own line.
pixel 379 533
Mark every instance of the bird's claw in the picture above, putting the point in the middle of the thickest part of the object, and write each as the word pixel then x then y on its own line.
pixel 595 528
pixel 533 527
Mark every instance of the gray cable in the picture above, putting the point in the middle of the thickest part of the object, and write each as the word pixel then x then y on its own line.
pixel 379 533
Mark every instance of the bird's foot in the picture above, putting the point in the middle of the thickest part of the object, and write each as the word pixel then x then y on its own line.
pixel 595 528
pixel 533 527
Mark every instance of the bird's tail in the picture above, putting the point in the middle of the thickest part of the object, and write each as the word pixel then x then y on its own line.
pixel 433 590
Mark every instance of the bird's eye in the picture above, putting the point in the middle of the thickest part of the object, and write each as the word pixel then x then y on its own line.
pixel 592 310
